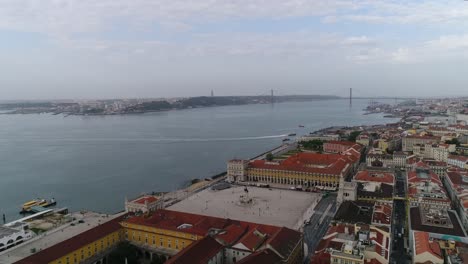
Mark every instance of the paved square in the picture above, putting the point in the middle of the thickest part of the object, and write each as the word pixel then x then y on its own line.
pixel 258 205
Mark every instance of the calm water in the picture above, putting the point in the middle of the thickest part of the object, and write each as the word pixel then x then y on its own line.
pixel 94 162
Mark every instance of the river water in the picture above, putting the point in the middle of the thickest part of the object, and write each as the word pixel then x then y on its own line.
pixel 94 162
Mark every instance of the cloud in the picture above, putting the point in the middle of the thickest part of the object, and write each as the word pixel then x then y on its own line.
pixel 359 41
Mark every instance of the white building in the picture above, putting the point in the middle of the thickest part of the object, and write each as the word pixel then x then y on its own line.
pixel 144 204
pixel 458 161
pixel 13 235
pixel 236 169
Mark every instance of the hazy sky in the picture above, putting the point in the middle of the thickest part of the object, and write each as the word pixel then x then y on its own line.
pixel 162 48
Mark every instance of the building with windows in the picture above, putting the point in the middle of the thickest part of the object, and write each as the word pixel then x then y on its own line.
pixel 458 161
pixel 425 189
pixel 375 185
pixel 437 224
pixel 304 169
pixel 411 140
pixel 13 235
pixel 340 147
pixel 183 235
pixel 363 139
pixel 144 204
pixel 399 159
pixel 359 233
pixel 456 183
pixel 426 250
pixel 91 246
pixel 236 170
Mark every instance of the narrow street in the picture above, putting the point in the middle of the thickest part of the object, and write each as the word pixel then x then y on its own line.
pixel 398 250
pixel 315 230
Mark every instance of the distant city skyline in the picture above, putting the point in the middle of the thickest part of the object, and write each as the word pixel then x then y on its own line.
pixel 173 48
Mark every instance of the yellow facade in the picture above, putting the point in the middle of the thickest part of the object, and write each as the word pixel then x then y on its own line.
pixel 383 145
pixel 91 250
pixel 158 238
pixel 292 177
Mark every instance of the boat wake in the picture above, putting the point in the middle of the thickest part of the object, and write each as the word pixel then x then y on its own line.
pixel 166 140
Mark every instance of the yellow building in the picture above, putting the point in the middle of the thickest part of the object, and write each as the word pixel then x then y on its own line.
pixel 170 232
pixel 305 169
pixel 90 246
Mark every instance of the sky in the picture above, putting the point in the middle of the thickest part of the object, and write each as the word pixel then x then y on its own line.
pixel 85 49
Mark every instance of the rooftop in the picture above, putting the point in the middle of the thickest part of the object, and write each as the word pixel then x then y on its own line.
pixel 74 243
pixel 355 212
pixel 334 164
pixel 375 176
pixel 6 231
pixel 418 225
pixel 423 244
pixel 199 252
pixel 146 199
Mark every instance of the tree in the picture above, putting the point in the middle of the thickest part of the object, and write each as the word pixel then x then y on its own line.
pixel 269 157
pixel 453 141
pixel 352 137
pixel 314 144
pixel 124 251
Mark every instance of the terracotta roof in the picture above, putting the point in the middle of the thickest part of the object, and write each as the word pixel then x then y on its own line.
pixel 145 199
pixel 253 239
pixel 375 176
pixel 54 252
pixel 382 214
pixel 309 162
pixel 231 234
pixel 423 245
pixel 264 256
pixel 199 252
pixel 284 241
pixel 414 176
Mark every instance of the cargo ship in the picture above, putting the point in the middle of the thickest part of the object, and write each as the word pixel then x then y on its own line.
pixel 27 207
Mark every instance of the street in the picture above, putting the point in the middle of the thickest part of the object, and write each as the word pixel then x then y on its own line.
pixel 398 251
pixel 314 232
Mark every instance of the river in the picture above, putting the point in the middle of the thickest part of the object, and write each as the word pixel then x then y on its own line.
pixel 94 162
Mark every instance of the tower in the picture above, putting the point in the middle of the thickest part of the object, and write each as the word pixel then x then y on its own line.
pixel 350 96
pixel 212 93
pixel 272 96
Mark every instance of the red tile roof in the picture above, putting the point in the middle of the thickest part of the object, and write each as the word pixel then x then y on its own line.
pixel 199 252
pixel 285 240
pixel 375 176
pixel 422 245
pixel 172 220
pixel 59 250
pixel 382 214
pixel 311 163
pixel 264 256
pixel 145 199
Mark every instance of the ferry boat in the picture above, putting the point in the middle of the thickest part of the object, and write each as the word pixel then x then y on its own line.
pixel 37 202
pixel 291 134
pixel 301 126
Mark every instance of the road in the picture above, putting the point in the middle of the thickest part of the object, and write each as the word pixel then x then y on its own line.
pixel 399 218
pixel 314 232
